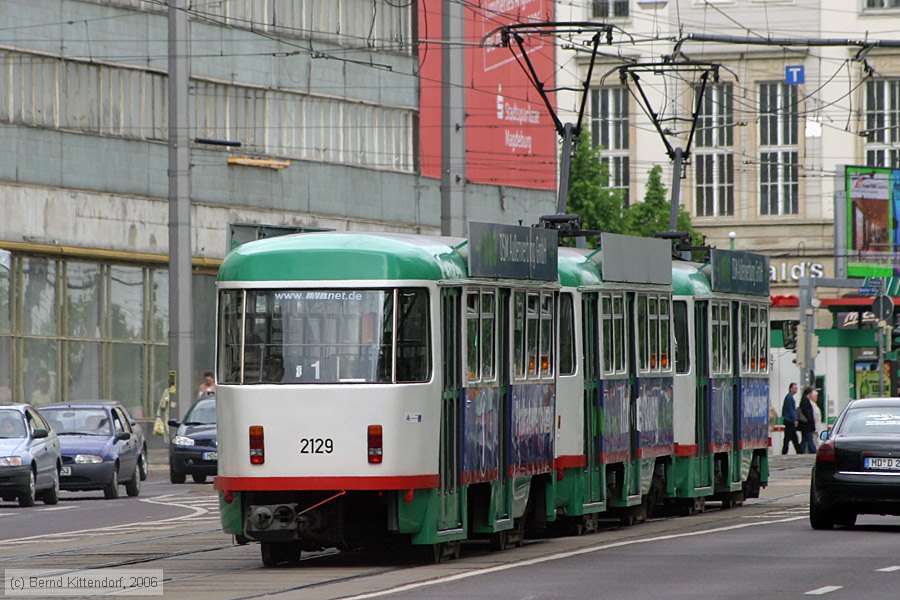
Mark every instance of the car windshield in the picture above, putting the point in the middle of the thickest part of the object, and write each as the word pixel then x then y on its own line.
pixel 871 420
pixel 12 425
pixel 78 421
pixel 202 413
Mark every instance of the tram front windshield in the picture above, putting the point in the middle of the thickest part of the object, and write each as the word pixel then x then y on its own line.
pixel 324 336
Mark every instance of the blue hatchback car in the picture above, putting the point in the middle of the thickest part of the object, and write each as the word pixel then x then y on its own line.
pixel 102 447
pixel 194 448
pixel 29 456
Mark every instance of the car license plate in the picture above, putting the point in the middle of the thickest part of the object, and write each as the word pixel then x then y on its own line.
pixel 65 471
pixel 882 463
pixel 210 456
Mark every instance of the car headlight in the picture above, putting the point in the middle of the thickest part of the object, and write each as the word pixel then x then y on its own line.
pixel 87 459
pixel 10 461
pixel 180 440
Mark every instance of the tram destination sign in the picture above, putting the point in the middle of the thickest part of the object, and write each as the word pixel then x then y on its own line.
pixel 740 272
pixel 512 252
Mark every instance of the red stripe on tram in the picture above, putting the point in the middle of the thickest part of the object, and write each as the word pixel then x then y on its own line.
pixel 570 462
pixel 272 484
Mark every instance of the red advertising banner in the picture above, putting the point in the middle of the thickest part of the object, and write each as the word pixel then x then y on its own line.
pixel 510 136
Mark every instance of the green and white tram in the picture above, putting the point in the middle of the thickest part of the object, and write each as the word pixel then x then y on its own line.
pixel 374 387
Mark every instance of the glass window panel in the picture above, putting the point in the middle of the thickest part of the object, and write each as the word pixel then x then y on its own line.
pixel 566 334
pixel 159 299
pixel 546 334
pixel 487 336
pixel 128 383
pixel 126 298
pixel 653 323
pixel 472 336
pixel 682 338
pixel 40 373
pixel 519 334
pixel 642 349
pixel 534 312
pixel 39 296
pixel 621 345
pixel 6 279
pixel 413 336
pixel 664 333
pixel 230 325
pixel 607 335
pixel 83 299
pixel 763 339
pixel 84 371
pixel 754 342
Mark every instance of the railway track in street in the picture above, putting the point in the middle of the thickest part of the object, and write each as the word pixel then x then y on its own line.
pixel 199 561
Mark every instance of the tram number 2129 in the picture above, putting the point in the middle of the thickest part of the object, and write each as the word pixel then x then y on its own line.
pixel 316 446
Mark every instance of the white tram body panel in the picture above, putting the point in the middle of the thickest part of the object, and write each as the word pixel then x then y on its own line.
pixel 685 386
pixel 569 424
pixel 296 418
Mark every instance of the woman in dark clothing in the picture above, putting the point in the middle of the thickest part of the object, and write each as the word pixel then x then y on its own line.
pixel 807 420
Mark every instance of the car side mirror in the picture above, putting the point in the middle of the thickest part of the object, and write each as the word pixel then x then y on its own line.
pixel 40 433
pixel 824 435
pixel 174 423
pixel 123 435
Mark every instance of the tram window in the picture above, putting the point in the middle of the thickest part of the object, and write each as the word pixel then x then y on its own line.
pixel 620 343
pixel 546 344
pixel 413 336
pixel 519 348
pixel 653 325
pixel 487 336
pixel 726 338
pixel 472 336
pixel 746 325
pixel 566 335
pixel 230 324
pixel 754 338
pixel 531 334
pixel 682 339
pixel 763 339
pixel 642 350
pixel 716 340
pixel 665 332
pixel 608 336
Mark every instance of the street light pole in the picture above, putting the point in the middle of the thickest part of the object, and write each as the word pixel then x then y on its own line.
pixel 181 351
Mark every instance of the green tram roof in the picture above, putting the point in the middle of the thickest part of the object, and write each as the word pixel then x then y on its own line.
pixel 688 280
pixel 576 269
pixel 327 256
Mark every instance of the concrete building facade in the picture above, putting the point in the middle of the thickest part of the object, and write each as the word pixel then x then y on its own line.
pixel 323 97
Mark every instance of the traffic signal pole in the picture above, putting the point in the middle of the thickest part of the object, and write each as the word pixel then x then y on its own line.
pixel 808 319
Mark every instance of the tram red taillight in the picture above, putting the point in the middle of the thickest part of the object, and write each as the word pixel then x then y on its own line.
pixel 376 451
pixel 257 445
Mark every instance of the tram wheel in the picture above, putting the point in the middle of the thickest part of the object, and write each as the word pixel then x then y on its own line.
pixel 499 541
pixel 445 551
pixel 276 553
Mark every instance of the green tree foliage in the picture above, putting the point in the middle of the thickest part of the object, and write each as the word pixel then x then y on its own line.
pixel 590 197
pixel 602 208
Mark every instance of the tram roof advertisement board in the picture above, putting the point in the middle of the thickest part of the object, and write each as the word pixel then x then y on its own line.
pixel 512 252
pixel 510 136
pixel 873 238
pixel 739 272
pixel 630 259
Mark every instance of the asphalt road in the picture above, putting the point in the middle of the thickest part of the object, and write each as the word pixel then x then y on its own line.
pixel 764 548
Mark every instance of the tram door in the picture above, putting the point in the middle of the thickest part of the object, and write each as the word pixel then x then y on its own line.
pixel 703 475
pixel 592 413
pixel 503 490
pixel 451 390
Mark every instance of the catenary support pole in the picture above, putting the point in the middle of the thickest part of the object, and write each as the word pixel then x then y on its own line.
pixel 453 121
pixel 181 351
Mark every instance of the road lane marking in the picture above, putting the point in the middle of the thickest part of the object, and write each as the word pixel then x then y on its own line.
pixel 55 508
pixel 888 569
pixel 560 555
pixel 823 590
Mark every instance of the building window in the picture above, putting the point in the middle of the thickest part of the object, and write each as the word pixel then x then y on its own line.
pixel 778 152
pixel 882 4
pixel 605 9
pixel 609 131
pixel 882 122
pixel 714 157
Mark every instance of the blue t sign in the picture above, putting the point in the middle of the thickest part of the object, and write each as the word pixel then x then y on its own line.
pixel 794 75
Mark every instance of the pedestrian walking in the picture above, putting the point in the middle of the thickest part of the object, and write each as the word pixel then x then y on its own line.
pixel 789 417
pixel 807 421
